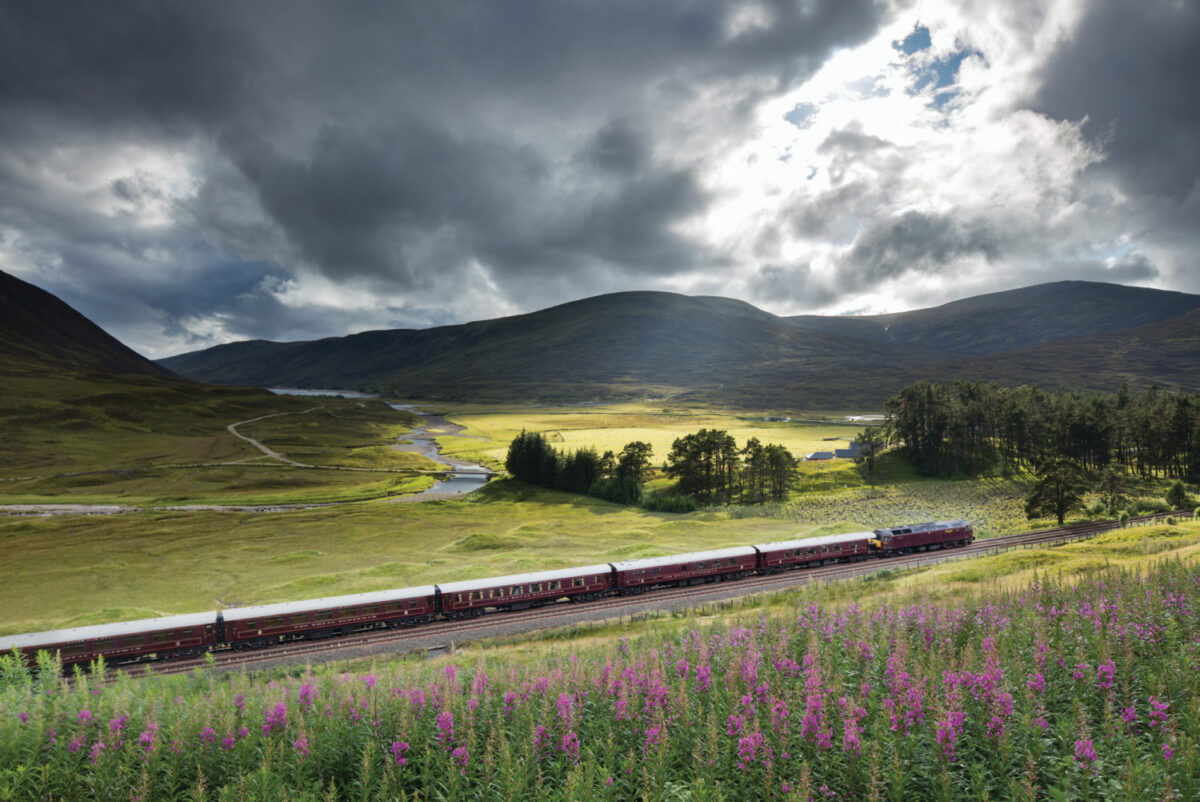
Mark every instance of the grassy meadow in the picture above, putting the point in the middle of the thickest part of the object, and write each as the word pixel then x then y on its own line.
pixel 1002 684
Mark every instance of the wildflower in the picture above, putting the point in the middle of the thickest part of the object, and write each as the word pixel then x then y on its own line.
pixel 1158 712
pixel 733 725
pixel 97 751
pixel 275 719
pixel 948 732
pixel 1168 752
pixel 1081 670
pixel 565 707
pixel 748 750
pixel 208 735
pixel 445 725
pixel 117 725
pixel 306 695
pixel 146 739
pixel 227 742
pixel 242 732
pixel 1129 715
pixel 239 702
pixel 539 738
pixel 653 738
pixel 85 716
pixel 398 750
pixel 301 746
pixel 24 717
pixel 608 781
pixel 1085 754
pixel 479 683
pixel 1105 674
pixel 76 744
pixel 1036 682
pixel 370 680
pixel 461 757
pixel 1041 724
pixel 451 672
pixel 681 667
pixel 995 728
pixel 570 745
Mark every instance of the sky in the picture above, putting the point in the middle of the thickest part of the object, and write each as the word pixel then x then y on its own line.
pixel 189 174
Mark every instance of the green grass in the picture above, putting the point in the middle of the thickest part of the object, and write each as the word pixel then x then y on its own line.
pixel 60 569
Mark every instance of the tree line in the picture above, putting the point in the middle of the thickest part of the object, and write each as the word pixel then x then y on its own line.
pixel 972 427
pixel 709 466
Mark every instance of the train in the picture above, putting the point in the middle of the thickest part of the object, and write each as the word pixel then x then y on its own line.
pixel 259 626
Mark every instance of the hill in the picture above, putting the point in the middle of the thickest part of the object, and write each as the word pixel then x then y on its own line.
pixel 633 344
pixel 608 346
pixel 1015 319
pixel 40 335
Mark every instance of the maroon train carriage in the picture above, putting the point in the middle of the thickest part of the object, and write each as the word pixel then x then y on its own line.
pixel 259 625
pixel 781 556
pixel 922 537
pixel 638 576
pixel 124 642
pixel 519 591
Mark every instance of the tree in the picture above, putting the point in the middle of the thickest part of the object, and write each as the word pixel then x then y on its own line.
pixel 634 461
pixel 781 470
pixel 1112 486
pixel 1059 490
pixel 531 459
pixel 871 443
pixel 1177 495
pixel 706 464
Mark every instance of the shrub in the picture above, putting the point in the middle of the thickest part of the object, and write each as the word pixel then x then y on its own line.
pixel 1124 517
pixel 658 501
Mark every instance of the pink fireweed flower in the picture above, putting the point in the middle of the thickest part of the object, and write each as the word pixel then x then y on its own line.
pixel 1168 752
pixel 117 725
pixel 653 739
pixel 1129 715
pixel 97 751
pixel 681 667
pixel 1085 754
pixel 242 732
pixel 371 680
pixel 1105 674
pixel 227 742
pixel 948 732
pixel 398 750
pixel 85 716
pixel 208 735
pixel 301 746
pixel 146 739
pixel 1041 724
pixel 570 745
pixel 239 702
pixel 1081 670
pixel 445 725
pixel 1158 712
pixel 733 725
pixel 565 707
pixel 24 717
pixel 749 749
pixel 306 696
pixel 703 677
pixel 76 744
pixel 461 757
pixel 995 728
pixel 1036 682
pixel 275 718
pixel 451 672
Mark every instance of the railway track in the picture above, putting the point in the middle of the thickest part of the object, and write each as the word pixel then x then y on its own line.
pixel 443 635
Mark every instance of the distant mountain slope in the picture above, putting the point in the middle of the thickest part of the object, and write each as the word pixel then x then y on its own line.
pixel 39 334
pixel 1004 321
pixel 609 346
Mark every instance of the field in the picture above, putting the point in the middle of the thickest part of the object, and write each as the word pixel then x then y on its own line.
pixel 166 444
pixel 610 427
pixel 1073 683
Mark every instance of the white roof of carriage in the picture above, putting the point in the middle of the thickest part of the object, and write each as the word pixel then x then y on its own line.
pixel 675 559
pixel 117 630
pixel 808 543
pixel 522 579
pixel 307 605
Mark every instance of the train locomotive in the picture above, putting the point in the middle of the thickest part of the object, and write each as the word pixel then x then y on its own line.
pixel 259 626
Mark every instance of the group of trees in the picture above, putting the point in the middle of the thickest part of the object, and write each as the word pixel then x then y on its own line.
pixel 712 469
pixel 1062 483
pixel 709 466
pixel 970 427
pixel 613 477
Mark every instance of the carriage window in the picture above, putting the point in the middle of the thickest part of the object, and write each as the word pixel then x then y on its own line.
pixel 414 604
pixel 731 561
pixel 555 585
pixel 159 637
pixel 323 615
pixel 251 625
pixel 458 597
pixel 73 649
pixel 347 612
pixel 300 619
pixel 535 587
pixel 393 607
pixel 516 591
pixel 274 622
pixel 476 595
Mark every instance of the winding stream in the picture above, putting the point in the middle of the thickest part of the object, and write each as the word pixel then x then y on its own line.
pixel 467 477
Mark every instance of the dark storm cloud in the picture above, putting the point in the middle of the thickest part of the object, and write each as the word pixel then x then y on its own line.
pixel 790 283
pixel 402 145
pixel 924 243
pixel 1131 69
